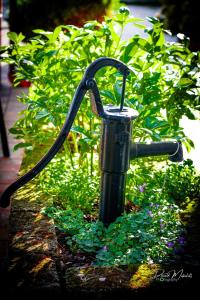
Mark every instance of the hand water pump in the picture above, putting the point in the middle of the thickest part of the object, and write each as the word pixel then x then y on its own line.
pixel 116 149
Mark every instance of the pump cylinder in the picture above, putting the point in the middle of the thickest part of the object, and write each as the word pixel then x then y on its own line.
pixel 114 161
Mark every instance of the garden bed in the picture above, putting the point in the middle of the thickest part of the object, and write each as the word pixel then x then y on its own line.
pixel 34 247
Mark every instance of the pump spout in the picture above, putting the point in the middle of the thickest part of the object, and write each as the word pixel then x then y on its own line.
pixel 173 149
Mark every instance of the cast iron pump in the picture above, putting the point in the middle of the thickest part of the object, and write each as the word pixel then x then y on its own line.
pixel 116 147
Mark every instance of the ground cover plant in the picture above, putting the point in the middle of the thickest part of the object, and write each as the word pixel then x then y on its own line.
pixel 163 87
pixel 153 228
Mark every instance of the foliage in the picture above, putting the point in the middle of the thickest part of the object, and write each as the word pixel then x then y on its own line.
pixel 151 233
pixel 143 236
pixel 69 187
pixel 176 182
pixel 163 86
pixel 69 220
pixel 182 181
pixel 148 235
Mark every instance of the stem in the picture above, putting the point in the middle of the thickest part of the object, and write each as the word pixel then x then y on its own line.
pixel 120 36
pixel 75 142
pixel 91 162
pixel 67 149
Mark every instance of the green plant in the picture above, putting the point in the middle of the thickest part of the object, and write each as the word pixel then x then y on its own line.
pixel 69 187
pixel 148 235
pixel 182 181
pixel 70 221
pixel 150 183
pixel 143 236
pixel 163 86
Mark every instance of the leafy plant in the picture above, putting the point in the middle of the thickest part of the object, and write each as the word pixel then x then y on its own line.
pixel 153 232
pixel 182 181
pixel 143 236
pixel 70 188
pixel 147 183
pixel 148 235
pixel 163 86
pixel 69 220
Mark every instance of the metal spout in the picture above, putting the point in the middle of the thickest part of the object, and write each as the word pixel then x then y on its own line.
pixel 173 149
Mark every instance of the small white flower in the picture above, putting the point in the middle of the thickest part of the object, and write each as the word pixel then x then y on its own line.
pixel 102 279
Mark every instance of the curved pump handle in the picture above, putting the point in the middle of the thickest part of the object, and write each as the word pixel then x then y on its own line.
pixel 87 83
pixel 90 82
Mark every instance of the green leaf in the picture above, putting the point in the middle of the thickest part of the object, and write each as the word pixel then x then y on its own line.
pixel 146 130
pixel 48 34
pixel 81 131
pixel 42 114
pixel 117 91
pixel 56 33
pixel 128 51
pixel 135 20
pixel 184 82
pixel 28 146
pixel 190 114
pixel 153 20
pixel 108 94
pixel 15 131
pixel 51 53
pixel 188 144
pixel 139 26
pixel 12 36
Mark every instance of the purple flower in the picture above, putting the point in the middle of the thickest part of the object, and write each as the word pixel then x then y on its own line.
pixel 150 213
pixel 170 244
pixel 162 225
pixel 105 248
pixel 142 188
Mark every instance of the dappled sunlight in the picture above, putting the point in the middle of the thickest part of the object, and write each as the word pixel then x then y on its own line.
pixel 41 265
pixel 144 276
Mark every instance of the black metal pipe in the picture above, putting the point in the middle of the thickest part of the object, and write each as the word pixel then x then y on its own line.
pixel 173 149
pixel 115 151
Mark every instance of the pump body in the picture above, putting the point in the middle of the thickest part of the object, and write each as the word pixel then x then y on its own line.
pixel 116 151
pixel 114 161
